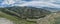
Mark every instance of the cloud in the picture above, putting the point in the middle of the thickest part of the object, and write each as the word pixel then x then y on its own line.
pixel 8 2
pixel 11 2
pixel 33 3
pixel 40 4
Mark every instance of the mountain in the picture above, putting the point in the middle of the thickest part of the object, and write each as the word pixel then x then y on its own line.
pixel 51 9
pixel 20 15
pixel 12 18
pixel 25 12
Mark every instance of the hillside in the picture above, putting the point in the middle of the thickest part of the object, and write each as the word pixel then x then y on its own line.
pixel 26 12
pixel 19 15
pixel 15 19
pixel 30 15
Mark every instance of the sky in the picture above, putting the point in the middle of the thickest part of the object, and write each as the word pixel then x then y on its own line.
pixel 33 3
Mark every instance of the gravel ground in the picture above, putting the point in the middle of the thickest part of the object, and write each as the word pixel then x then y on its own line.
pixel 5 21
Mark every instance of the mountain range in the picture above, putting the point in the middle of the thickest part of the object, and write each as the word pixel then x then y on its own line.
pixel 25 12
pixel 21 14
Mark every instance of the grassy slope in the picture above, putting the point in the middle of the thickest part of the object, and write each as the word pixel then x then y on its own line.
pixel 15 19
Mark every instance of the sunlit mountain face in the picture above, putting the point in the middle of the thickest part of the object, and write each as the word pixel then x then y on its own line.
pixel 33 3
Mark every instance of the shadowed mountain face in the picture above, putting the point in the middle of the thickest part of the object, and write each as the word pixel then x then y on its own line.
pixel 25 12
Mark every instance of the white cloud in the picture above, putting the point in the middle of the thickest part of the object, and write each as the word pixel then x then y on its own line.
pixel 39 4
pixel 12 2
pixel 34 3
pixel 8 2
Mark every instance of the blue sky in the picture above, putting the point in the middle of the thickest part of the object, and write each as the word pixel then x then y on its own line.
pixel 33 3
pixel 1 0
